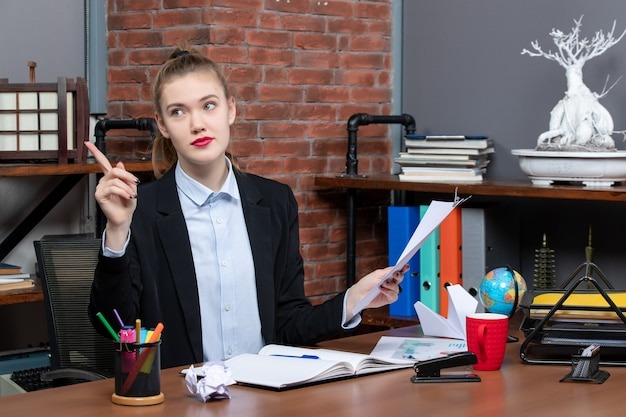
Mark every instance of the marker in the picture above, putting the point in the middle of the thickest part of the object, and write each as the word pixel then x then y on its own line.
pixel 108 326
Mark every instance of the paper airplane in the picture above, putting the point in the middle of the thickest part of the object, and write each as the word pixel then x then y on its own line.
pixel 460 304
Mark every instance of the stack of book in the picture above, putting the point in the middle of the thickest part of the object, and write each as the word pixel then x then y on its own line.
pixel 12 277
pixel 445 158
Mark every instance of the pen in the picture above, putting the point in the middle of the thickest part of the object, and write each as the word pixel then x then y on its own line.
pixel 108 326
pixel 299 356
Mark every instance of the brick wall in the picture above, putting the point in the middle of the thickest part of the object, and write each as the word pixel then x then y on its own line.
pixel 298 69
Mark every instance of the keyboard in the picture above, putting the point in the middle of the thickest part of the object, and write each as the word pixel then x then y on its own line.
pixel 29 379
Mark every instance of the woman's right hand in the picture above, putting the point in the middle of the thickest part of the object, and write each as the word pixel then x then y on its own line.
pixel 116 194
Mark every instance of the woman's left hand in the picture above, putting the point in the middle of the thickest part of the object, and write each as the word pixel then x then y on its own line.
pixel 389 289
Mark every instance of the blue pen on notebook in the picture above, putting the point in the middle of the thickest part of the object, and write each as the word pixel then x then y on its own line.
pixel 299 356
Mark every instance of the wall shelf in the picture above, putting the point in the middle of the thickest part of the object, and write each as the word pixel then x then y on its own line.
pixel 495 188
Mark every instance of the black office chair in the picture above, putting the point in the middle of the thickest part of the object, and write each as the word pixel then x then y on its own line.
pixel 66 265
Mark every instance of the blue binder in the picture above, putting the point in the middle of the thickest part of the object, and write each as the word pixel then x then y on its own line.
pixel 429 269
pixel 402 222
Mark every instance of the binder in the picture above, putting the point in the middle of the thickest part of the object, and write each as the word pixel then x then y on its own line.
pixel 429 269
pixel 402 222
pixel 450 256
pixel 490 239
pixel 474 250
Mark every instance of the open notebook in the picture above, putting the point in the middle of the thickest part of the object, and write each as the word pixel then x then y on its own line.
pixel 281 367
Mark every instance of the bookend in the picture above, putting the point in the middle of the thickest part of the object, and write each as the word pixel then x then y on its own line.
pixel 429 371
pixel 538 332
pixel 586 369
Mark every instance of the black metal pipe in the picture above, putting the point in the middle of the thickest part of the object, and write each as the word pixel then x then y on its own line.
pixel 363 119
pixel 104 125
pixel 356 120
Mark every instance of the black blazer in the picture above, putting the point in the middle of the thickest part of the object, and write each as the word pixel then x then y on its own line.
pixel 155 280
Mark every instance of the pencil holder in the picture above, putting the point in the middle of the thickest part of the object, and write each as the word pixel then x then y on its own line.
pixel 138 374
pixel 586 369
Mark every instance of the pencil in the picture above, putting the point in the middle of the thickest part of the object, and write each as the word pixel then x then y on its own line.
pixel 138 331
pixel 108 327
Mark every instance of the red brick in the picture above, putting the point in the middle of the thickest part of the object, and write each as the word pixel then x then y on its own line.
pixel 178 17
pixel 134 5
pixel 268 92
pixel 282 130
pixel 302 23
pixel 372 10
pixel 138 39
pixel 129 21
pixel 310 76
pixel 264 56
pixel 315 41
pixel 177 37
pixel 270 39
pixel 316 59
pixel 230 17
pixel 327 94
pixel 287 148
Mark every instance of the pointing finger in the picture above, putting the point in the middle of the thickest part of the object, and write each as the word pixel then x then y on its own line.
pixel 100 157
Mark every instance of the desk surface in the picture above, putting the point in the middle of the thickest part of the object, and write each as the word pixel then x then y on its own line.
pixel 516 390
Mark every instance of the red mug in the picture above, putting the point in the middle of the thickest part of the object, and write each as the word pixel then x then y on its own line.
pixel 487 336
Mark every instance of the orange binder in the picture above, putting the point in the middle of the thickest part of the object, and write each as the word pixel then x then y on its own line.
pixel 450 256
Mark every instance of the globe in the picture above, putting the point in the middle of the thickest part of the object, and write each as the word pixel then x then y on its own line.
pixel 497 290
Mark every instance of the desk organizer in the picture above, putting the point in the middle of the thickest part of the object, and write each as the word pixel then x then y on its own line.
pixel 586 369
pixel 44 121
pixel 557 323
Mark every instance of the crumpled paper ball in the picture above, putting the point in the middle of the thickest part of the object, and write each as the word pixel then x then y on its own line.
pixel 213 382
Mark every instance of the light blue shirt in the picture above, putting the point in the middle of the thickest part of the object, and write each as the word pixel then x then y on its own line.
pixel 224 268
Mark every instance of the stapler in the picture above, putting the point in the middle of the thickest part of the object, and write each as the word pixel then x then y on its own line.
pixel 430 370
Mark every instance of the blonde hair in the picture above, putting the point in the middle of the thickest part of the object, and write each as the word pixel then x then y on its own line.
pixel 181 62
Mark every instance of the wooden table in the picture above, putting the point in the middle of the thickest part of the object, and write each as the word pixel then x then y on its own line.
pixel 516 390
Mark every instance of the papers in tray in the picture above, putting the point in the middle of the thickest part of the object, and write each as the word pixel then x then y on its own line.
pixel 589 307
pixel 460 304
pixel 281 367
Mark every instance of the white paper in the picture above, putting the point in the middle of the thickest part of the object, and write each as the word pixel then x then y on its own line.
pixel 416 349
pixel 436 213
pixel 460 304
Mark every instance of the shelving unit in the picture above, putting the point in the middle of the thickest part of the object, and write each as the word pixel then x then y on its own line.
pixel 489 189
pixel 72 174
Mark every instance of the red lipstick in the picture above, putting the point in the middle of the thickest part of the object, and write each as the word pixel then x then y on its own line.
pixel 202 141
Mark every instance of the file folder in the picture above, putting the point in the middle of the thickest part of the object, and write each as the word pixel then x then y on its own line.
pixel 402 222
pixel 450 256
pixel 429 269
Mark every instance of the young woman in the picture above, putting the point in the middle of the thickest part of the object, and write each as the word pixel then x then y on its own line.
pixel 208 250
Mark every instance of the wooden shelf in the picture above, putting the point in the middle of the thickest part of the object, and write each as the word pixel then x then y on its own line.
pixel 498 188
pixel 90 167
pixel 22 295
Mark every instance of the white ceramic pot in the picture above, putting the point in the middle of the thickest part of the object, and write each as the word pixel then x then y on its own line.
pixel 593 169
